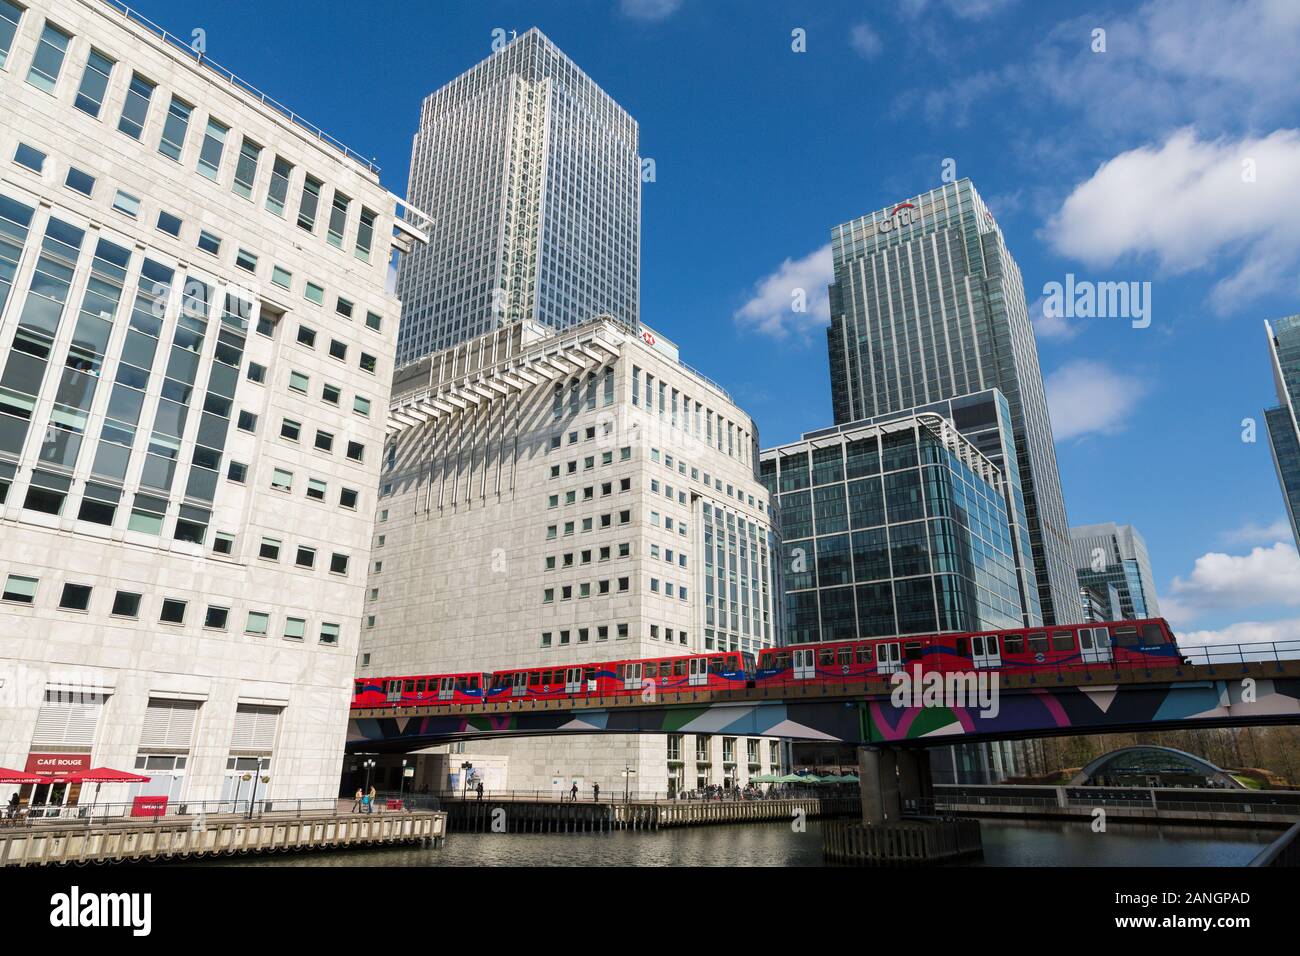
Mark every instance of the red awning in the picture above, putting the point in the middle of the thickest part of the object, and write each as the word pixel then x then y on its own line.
pixel 105 775
pixel 20 776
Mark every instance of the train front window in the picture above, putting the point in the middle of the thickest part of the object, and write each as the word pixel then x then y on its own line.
pixel 1153 634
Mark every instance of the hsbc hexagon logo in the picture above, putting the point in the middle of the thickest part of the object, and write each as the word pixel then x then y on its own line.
pixel 648 338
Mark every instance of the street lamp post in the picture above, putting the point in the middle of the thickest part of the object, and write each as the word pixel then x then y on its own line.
pixel 627 780
pixel 369 764
pixel 401 783
pixel 465 768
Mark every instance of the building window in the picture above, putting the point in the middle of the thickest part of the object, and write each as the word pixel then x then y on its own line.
pixel 316 489
pixel 175 126
pixel 338 563
pixel 237 472
pixel 306 557
pixel 173 611
pixel 348 498
pixel 361 406
pixel 126 204
pixel 256 373
pixel 246 260
pixel 307 336
pixel 224 543
pixel 209 243
pixel 79 181
pixel 310 202
pixel 338 219
pixel 214 144
pixel 258 623
pixel 278 191
pixel 290 429
pixel 48 61
pixel 20 589
pixel 76 597
pixel 329 633
pixel 356 451
pixel 29 157
pixel 282 480
pixel 216 617
pixel 246 168
pixel 126 604
pixel 294 628
pixel 136 108
pixel 169 223
pixel 269 549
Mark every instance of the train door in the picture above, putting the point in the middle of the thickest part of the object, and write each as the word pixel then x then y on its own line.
pixel 518 683
pixel 698 672
pixel 985 651
pixel 888 659
pixel 446 688
pixel 393 691
pixel 632 676
pixel 805 664
pixel 573 680
pixel 1094 645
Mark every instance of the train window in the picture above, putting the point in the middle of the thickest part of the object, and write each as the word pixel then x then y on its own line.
pixel 1013 644
pixel 781 661
pixel 1125 636
pixel 846 655
pixel 410 687
pixel 1062 641
pixel 715 665
pixel 589 674
pixel 473 682
pixel 461 683
pixel 733 662
pixel 619 671
pixel 535 678
pixel 826 657
pixel 420 686
pixel 864 653
pixel 1153 634
pixel 1037 642
pixel 357 688
pixel 651 669
pixel 963 647
pixel 912 651
pixel 679 667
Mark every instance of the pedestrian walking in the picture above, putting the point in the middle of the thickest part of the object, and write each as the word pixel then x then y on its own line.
pixel 595 792
pixel 574 791
pixel 374 796
pixel 356 804
pixel 479 790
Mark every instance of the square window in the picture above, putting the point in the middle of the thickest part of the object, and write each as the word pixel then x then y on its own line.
pixel 237 472
pixel 169 223
pixel 307 336
pixel 343 307
pixel 20 589
pixel 348 498
pixel 126 604
pixel 356 451
pixel 282 480
pixel 247 422
pixel 126 204
pixel 29 157
pixel 209 242
pixel 361 405
pixel 314 293
pixel 316 489
pixel 368 363
pixel 374 321
pixel 256 373
pixel 246 260
pixel 269 549
pixel 290 429
pixel 216 617
pixel 338 350
pixel 331 394
pixel 76 597
pixel 298 382
pixel 224 543
pixel 281 276
pixel 324 440
pixel 294 628
pixel 173 611
pixel 329 633
pixel 338 563
pixel 79 181
pixel 306 557
pixel 258 623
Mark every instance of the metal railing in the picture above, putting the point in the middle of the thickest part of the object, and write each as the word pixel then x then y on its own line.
pixel 1284 851
pixel 113 812
pixel 243 85
pixel 439 800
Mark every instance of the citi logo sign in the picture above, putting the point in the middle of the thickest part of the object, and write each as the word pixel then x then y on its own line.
pixel 76 909
pixel 904 214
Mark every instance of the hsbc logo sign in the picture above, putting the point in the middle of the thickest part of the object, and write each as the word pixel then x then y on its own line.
pixel 904 214
pixel 648 338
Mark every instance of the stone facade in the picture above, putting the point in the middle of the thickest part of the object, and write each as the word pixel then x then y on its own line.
pixel 198 403
pixel 546 501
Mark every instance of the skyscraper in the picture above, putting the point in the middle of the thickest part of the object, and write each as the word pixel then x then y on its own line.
pixel 532 176
pixel 1109 555
pixel 1284 421
pixel 928 304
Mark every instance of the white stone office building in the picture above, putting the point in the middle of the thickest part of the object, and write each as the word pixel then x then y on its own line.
pixel 558 498
pixel 532 176
pixel 196 349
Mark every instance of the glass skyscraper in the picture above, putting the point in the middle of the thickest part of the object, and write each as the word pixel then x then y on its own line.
pixel 928 304
pixel 897 528
pixel 1115 556
pixel 532 176
pixel 1283 421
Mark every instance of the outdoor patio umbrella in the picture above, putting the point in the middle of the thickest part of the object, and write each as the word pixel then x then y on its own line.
pixel 19 776
pixel 102 775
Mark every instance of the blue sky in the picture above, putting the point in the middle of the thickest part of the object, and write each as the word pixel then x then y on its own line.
pixel 1170 157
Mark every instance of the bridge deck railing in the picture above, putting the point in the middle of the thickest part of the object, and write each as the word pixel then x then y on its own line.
pixel 94 813
pixel 437 800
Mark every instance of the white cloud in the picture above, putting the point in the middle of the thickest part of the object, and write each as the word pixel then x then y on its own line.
pixel 771 309
pixel 1084 397
pixel 1251 533
pixel 649 9
pixel 1266 576
pixel 1243 632
pixel 962 9
pixel 866 41
pixel 1188 204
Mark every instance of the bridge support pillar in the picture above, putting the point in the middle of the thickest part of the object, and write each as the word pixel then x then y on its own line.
pixel 915 782
pixel 878 781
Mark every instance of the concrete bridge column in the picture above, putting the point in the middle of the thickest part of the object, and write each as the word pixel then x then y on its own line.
pixel 878 776
pixel 915 782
